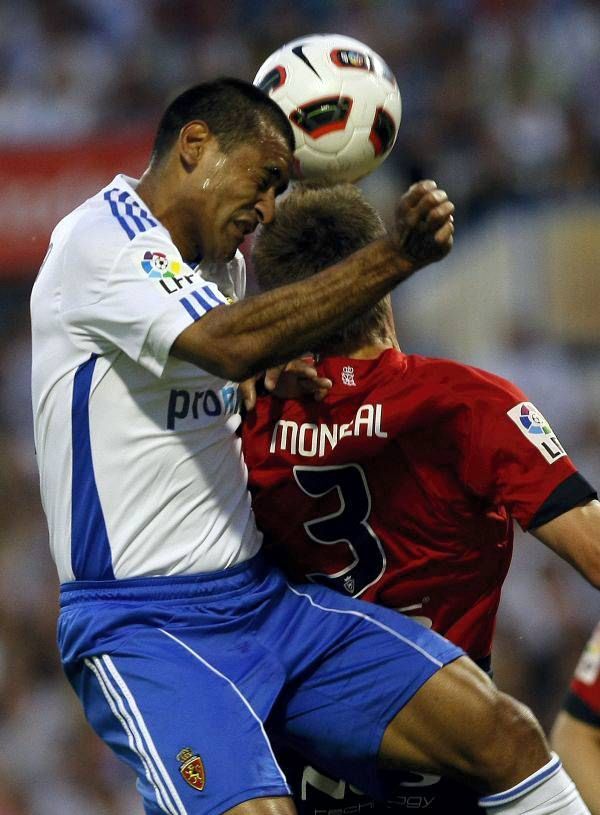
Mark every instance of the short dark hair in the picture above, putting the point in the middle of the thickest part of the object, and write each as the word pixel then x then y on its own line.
pixel 316 227
pixel 234 111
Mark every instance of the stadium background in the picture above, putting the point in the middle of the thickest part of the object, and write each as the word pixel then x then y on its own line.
pixel 500 107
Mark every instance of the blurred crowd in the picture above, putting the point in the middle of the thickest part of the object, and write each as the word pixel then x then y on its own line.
pixel 500 96
pixel 500 106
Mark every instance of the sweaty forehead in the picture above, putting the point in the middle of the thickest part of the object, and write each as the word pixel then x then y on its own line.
pixel 273 148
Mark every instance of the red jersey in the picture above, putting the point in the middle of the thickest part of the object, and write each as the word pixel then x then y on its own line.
pixel 583 700
pixel 400 487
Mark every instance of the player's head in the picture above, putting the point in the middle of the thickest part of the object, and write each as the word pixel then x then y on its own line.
pixel 233 110
pixel 316 228
pixel 227 148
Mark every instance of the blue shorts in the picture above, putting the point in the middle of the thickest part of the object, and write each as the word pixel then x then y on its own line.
pixel 189 679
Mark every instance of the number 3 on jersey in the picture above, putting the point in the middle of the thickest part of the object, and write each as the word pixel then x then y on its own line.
pixel 349 525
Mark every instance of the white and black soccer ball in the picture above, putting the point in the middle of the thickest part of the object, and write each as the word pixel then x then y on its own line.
pixel 342 100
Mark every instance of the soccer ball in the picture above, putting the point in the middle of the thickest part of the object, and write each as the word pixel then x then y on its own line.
pixel 342 100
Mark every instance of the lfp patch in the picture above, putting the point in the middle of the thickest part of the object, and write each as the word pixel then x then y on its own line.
pixel 534 427
pixel 158 265
pixel 588 667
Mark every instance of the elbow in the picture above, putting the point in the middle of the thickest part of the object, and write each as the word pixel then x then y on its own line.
pixel 236 369
pixel 233 363
pixel 589 567
pixel 593 575
pixel 221 356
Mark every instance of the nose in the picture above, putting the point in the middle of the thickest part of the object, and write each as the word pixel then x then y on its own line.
pixel 265 206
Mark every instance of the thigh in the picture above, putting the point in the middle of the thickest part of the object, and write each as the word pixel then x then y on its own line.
pixel 459 724
pixel 191 734
pixel 265 806
pixel 371 662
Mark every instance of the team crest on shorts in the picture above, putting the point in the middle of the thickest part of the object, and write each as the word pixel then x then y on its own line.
pixel 536 429
pixel 192 768
pixel 158 265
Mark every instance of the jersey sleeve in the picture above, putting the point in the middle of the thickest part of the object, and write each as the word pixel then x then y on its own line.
pixel 138 302
pixel 514 458
pixel 583 698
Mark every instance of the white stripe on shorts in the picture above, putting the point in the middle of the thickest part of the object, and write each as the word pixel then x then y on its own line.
pixel 239 693
pixel 134 725
pixel 384 627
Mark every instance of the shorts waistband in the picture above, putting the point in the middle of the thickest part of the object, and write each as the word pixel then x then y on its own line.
pixel 218 583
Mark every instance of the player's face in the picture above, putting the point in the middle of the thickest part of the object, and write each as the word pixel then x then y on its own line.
pixel 237 190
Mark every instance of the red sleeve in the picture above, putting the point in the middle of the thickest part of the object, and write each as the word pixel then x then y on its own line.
pixel 583 700
pixel 514 458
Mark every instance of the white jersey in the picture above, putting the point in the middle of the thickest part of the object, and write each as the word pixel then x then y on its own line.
pixel 141 469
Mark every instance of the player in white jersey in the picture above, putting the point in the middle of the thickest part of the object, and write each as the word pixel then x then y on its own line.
pixel 187 649
pixel 170 412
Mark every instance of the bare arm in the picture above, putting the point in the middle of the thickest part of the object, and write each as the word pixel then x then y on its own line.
pixel 575 536
pixel 237 341
pixel 578 745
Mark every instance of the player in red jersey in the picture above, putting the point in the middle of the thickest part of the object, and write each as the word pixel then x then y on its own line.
pixel 576 732
pixel 402 485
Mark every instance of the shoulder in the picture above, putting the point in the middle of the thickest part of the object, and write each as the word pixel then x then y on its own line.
pixel 461 383
pixel 111 220
pixel 92 247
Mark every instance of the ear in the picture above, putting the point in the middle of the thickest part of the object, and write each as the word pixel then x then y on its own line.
pixel 193 140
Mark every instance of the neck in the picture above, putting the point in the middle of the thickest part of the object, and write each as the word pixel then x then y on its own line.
pixel 155 191
pixel 370 350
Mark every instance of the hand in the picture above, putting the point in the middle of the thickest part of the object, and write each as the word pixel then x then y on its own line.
pixel 247 390
pixel 294 380
pixel 424 224
pixel 297 379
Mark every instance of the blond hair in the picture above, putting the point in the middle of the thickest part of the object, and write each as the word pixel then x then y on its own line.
pixel 316 227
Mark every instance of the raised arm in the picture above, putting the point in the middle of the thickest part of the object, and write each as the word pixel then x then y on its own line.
pixel 238 340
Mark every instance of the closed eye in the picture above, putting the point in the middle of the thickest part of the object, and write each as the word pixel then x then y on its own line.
pixel 274 178
pixel 281 188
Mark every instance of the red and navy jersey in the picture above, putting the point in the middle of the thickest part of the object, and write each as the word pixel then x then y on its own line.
pixel 402 485
pixel 583 699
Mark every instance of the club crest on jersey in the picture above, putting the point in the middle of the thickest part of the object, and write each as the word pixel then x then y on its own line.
pixel 536 429
pixel 192 768
pixel 348 375
pixel 157 265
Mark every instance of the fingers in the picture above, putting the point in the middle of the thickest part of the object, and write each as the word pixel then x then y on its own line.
pixel 317 387
pixel 296 380
pixel 292 386
pixel 320 394
pixel 432 206
pixel 303 366
pixel 444 237
pixel 248 392
pixel 416 191
pixel 424 201
pixel 441 220
pixel 272 376
pixel 424 227
pixel 440 214
pixel 308 379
